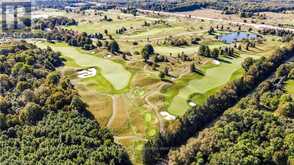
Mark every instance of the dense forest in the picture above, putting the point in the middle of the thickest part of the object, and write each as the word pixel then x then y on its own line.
pixel 42 118
pixel 251 6
pixel 197 118
pixel 259 130
pixel 228 6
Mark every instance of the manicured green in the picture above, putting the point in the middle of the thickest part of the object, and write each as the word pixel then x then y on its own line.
pixel 113 72
pixel 214 78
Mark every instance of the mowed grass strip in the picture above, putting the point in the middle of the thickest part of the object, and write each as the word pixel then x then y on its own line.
pixel 214 78
pixel 113 72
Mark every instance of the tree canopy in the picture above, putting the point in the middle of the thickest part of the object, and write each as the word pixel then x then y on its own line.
pixel 42 118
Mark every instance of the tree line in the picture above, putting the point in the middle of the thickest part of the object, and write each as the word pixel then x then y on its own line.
pixel 263 120
pixel 198 117
pixel 52 22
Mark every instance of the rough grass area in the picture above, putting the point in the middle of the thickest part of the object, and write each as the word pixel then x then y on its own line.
pixel 290 86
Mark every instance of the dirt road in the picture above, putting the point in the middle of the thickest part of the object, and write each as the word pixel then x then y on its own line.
pixel 114 111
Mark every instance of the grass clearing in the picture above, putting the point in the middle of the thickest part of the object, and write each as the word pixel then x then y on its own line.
pixel 166 50
pixel 99 105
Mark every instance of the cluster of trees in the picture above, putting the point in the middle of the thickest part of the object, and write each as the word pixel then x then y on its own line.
pixel 249 6
pixel 105 18
pixel 252 123
pixel 60 138
pixel 177 42
pixel 184 57
pixel 196 118
pixel 260 121
pixel 113 47
pixel 174 6
pixel 252 14
pixel 121 30
pixel 205 51
pixel 243 137
pixel 147 52
pixel 52 22
pixel 73 38
pixel 130 10
pixel 156 22
pixel 271 96
pixel 285 34
pixel 42 112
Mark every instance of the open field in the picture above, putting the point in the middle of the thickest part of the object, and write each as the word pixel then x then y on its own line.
pixel 276 19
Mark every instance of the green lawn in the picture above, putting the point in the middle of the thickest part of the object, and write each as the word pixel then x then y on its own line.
pixel 203 86
pixel 199 89
pixel 113 72
pixel 166 50
pixel 104 25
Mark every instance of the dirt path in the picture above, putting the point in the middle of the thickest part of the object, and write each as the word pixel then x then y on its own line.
pixel 129 138
pixel 154 107
pixel 114 111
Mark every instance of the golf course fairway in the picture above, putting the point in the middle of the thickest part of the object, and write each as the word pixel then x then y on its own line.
pixel 113 72
pixel 214 77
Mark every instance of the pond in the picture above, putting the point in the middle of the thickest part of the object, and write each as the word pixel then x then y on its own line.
pixel 236 36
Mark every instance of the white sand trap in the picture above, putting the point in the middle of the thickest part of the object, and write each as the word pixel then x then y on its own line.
pixel 216 62
pixel 192 104
pixel 87 73
pixel 167 116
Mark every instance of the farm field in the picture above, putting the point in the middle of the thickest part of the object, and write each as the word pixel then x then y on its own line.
pixel 271 17
pixel 128 95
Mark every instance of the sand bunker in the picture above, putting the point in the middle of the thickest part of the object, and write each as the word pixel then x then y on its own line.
pixel 216 62
pixel 167 116
pixel 87 73
pixel 192 104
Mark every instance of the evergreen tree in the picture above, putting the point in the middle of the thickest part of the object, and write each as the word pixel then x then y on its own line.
pixel 147 51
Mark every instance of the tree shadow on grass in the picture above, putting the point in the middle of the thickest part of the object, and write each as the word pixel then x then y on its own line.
pixel 225 61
